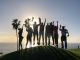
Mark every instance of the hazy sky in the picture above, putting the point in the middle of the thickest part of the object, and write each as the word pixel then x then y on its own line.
pixel 67 12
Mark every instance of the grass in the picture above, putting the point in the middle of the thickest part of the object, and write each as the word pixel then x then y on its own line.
pixel 76 51
pixel 41 53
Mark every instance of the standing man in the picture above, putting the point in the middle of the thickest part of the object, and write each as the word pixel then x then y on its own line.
pixel 51 31
pixel 63 36
pixel 41 31
pixel 56 34
pixel 35 32
pixel 46 33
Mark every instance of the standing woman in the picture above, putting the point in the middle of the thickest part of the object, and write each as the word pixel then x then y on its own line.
pixel 29 35
pixel 20 37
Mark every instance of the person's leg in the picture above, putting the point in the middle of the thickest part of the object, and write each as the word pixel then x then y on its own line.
pixel 39 38
pixel 53 38
pixel 19 43
pixel 57 40
pixel 30 41
pixel 21 46
pixel 33 38
pixel 65 43
pixel 46 38
pixel 27 41
pixel 62 45
pixel 43 37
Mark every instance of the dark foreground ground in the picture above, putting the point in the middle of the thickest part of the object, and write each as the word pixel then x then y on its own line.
pixel 41 53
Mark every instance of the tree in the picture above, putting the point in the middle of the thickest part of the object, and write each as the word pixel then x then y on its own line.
pixel 16 24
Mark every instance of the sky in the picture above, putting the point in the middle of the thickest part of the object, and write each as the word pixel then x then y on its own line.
pixel 67 12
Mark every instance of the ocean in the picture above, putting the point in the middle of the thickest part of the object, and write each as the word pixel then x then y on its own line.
pixel 6 48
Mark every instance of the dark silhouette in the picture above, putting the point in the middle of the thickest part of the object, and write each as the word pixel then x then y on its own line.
pixel 64 37
pixel 29 30
pixel 41 31
pixel 51 31
pixel 20 37
pixel 15 24
pixel 46 33
pixel 56 35
pixel 29 35
pixel 35 32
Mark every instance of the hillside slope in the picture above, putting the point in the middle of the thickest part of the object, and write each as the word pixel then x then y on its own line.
pixel 41 53
pixel 76 51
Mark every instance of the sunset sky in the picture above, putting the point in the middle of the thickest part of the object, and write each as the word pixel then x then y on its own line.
pixel 67 12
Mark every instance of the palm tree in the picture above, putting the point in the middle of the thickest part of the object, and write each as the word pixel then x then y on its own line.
pixel 16 24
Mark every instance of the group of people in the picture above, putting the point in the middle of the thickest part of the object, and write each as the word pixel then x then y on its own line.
pixel 47 31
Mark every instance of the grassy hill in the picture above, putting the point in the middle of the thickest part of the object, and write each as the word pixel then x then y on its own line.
pixel 76 51
pixel 41 53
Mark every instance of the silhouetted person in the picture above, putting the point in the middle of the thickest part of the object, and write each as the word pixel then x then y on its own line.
pixel 46 33
pixel 35 32
pixel 51 31
pixel 29 35
pixel 56 34
pixel 20 37
pixel 63 36
pixel 41 31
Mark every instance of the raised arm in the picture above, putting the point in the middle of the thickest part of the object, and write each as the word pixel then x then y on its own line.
pixel 45 22
pixel 39 20
pixel 60 28
pixel 57 24
pixel 32 18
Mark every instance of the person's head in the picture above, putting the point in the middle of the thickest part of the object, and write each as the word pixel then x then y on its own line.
pixel 20 29
pixel 63 27
pixel 51 23
pixel 35 22
pixel 42 23
pixel 28 19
